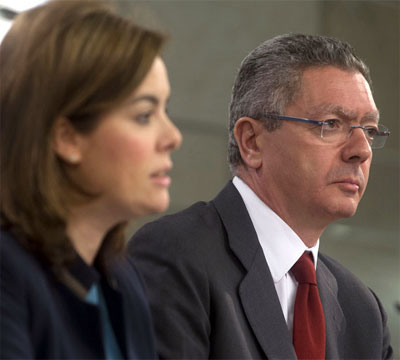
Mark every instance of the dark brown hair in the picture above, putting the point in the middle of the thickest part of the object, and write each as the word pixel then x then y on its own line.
pixel 73 59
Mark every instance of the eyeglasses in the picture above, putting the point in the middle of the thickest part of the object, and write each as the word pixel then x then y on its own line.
pixel 337 131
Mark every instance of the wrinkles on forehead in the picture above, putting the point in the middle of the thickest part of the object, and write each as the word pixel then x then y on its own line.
pixel 326 109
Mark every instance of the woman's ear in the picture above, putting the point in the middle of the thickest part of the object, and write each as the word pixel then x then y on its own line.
pixel 66 142
pixel 247 132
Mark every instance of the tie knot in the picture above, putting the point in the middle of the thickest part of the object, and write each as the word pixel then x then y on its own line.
pixel 304 270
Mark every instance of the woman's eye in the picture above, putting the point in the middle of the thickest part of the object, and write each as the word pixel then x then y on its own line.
pixel 143 119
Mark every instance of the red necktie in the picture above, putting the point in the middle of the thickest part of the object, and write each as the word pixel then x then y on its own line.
pixel 309 321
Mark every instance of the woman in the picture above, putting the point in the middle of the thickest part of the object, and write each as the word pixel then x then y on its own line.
pixel 85 147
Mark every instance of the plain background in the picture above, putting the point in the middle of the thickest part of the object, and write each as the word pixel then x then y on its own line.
pixel 209 39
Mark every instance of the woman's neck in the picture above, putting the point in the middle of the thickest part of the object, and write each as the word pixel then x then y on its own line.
pixel 86 229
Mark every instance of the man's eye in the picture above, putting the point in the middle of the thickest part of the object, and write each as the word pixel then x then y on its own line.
pixel 333 124
pixel 371 130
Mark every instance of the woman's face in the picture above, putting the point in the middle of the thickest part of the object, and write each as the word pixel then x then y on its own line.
pixel 126 159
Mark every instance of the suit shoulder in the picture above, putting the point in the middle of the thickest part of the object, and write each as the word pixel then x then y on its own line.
pixel 199 214
pixel 194 221
pixel 190 231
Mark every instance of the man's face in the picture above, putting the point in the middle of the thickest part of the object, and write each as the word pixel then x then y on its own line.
pixel 304 178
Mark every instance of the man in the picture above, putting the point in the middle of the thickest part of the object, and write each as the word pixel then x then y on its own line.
pixel 221 275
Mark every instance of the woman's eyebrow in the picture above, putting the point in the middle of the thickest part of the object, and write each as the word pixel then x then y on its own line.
pixel 151 98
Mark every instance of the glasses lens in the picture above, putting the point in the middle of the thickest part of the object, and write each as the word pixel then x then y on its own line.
pixel 336 131
pixel 379 139
pixel 332 131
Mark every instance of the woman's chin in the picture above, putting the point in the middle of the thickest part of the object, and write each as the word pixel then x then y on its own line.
pixel 157 206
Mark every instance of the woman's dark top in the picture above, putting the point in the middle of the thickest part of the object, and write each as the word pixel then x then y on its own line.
pixel 42 317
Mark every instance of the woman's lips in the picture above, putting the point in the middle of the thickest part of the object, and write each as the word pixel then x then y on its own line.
pixel 161 178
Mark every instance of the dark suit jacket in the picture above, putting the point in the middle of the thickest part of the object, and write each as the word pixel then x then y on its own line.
pixel 42 318
pixel 212 294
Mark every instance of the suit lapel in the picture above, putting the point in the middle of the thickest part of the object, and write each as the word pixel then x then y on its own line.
pixel 263 310
pixel 257 291
pixel 334 318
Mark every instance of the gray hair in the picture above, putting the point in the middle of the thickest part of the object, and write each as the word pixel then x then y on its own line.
pixel 269 78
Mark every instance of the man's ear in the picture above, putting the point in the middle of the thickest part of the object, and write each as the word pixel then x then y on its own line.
pixel 65 139
pixel 247 133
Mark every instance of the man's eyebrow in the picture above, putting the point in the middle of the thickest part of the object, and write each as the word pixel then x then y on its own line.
pixel 372 116
pixel 328 108
pixel 340 111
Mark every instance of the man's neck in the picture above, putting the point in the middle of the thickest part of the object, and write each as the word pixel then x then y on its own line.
pixel 308 229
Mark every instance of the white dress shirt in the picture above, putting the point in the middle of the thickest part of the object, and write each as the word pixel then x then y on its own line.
pixel 281 246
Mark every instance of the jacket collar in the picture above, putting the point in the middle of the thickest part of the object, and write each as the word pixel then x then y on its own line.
pixel 79 276
pixel 335 320
pixel 256 291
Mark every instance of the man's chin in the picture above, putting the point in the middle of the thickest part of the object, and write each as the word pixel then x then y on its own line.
pixel 344 212
pixel 342 208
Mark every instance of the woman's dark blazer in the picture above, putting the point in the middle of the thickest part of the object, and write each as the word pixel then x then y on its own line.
pixel 43 318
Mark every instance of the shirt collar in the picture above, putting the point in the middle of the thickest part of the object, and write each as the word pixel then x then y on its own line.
pixel 282 247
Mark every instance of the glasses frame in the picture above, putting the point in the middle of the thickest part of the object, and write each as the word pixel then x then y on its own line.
pixel 321 123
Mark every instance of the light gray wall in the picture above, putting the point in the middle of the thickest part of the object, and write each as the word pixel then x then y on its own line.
pixel 209 39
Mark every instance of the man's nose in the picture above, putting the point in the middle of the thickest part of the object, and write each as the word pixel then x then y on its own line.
pixel 357 147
